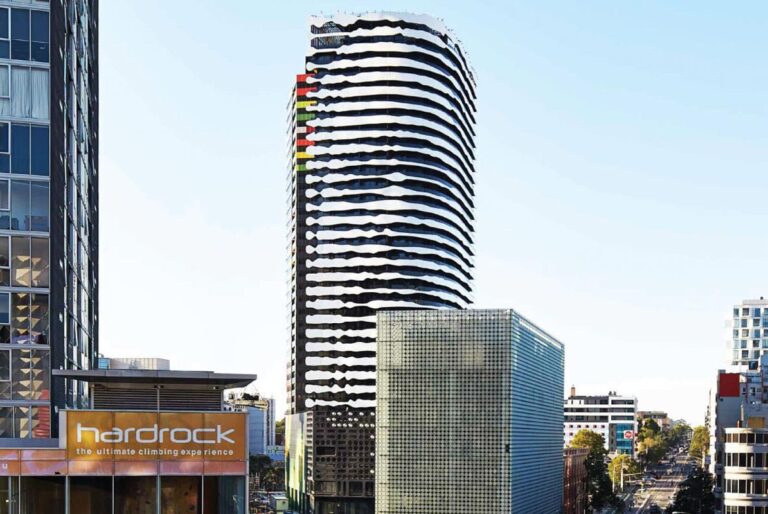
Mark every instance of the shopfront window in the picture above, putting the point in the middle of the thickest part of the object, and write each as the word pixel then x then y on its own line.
pixel 224 495
pixel 136 495
pixel 5 495
pixel 180 495
pixel 90 495
pixel 41 495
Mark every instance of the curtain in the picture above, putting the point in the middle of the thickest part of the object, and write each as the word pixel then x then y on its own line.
pixel 5 81
pixel 39 94
pixel 20 101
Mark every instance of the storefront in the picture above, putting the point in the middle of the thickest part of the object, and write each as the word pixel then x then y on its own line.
pixel 134 461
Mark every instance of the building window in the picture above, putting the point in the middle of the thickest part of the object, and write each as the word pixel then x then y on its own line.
pixel 29 35
pixel 5 30
pixel 29 206
pixel 5 196
pixel 5 365
pixel 29 92
pixel 5 81
pixel 29 149
pixel 5 147
pixel 5 308
pixel 20 34
pixel 20 149
pixel 39 148
pixel 39 30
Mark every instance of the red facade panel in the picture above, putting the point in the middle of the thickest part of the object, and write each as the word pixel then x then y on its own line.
pixel 729 384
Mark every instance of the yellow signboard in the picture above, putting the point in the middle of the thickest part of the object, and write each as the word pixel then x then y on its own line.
pixel 108 435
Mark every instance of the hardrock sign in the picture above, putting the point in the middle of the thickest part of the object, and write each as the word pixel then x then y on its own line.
pixel 108 435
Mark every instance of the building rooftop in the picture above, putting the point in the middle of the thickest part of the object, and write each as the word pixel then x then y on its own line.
pixel 155 376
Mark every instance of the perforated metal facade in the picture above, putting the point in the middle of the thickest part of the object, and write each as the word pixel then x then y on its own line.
pixel 469 415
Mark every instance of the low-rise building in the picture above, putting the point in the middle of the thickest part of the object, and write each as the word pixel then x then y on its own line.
pixel 150 441
pixel 611 415
pixel 575 480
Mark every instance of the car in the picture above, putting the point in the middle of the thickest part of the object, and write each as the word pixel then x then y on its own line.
pixel 654 509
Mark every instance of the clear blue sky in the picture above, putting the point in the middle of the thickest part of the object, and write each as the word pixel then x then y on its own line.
pixel 622 150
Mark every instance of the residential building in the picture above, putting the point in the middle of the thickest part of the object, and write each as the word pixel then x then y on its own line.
pixel 261 420
pixel 48 199
pixel 745 480
pixel 381 216
pixel 749 333
pixel 469 414
pixel 738 404
pixel 575 480
pixel 115 455
pixel 659 417
pixel 611 415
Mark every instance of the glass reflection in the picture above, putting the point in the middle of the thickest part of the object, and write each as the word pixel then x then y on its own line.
pixel 180 495
pixel 41 495
pixel 136 495
pixel 90 495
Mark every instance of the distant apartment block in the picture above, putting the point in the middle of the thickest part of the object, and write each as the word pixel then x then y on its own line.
pixel 749 333
pixel 261 421
pixel 469 414
pixel 611 415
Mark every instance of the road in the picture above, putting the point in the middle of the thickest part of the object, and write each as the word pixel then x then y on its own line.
pixel 663 490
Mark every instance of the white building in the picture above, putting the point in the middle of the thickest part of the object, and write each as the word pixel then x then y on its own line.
pixel 745 479
pixel 749 333
pixel 612 416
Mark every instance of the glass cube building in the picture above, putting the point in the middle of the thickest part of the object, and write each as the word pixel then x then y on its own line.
pixel 48 209
pixel 469 415
pixel 380 216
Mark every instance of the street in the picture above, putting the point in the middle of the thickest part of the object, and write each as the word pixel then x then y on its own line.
pixel 662 490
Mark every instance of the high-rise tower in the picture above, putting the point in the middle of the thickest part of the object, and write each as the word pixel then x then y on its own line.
pixel 381 201
pixel 48 216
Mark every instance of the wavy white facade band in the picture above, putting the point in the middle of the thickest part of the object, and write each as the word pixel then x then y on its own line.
pixel 381 193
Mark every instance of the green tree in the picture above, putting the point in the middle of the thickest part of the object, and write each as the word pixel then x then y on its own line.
pixel 599 486
pixel 280 432
pixel 593 441
pixel 625 462
pixel 651 448
pixel 699 443
pixel 651 426
pixel 695 494
pixel 258 464
pixel 678 433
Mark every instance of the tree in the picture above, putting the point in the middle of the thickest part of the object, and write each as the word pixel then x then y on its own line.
pixel 280 432
pixel 699 443
pixel 620 462
pixel 258 464
pixel 590 440
pixel 651 426
pixel 695 494
pixel 678 433
pixel 652 448
pixel 599 487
